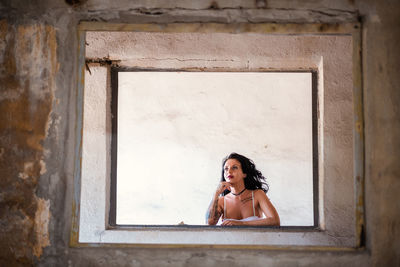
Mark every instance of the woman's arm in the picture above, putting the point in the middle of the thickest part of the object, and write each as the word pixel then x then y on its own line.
pixel 216 207
pixel 272 217
pixel 214 211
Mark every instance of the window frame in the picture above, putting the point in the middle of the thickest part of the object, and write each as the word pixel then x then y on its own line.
pixel 114 70
pixel 352 29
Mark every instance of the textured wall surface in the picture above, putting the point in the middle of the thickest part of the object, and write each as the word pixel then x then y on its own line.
pixel 25 104
pixel 38 70
pixel 249 52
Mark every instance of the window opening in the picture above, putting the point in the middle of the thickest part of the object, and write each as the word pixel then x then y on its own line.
pixel 171 130
pixel 338 114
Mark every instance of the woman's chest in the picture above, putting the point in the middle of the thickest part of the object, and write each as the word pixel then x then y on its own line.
pixel 240 207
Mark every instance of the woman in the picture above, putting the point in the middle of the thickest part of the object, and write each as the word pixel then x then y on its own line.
pixel 244 199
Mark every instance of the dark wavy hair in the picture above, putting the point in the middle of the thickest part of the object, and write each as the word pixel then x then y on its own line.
pixel 254 178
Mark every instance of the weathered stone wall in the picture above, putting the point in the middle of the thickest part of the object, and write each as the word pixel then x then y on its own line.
pixel 382 130
pixel 28 72
pixel 38 51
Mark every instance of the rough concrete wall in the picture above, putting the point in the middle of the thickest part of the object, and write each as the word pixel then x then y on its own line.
pixel 382 129
pixel 25 107
pixel 37 127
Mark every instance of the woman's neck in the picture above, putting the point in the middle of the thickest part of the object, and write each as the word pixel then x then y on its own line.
pixel 238 188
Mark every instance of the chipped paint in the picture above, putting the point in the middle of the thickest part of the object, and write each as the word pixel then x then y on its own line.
pixel 359 140
pixel 266 28
pixel 28 73
pixel 42 218
pixel 28 170
pixel 74 238
pixel 43 169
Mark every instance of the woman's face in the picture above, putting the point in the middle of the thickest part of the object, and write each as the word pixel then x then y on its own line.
pixel 233 172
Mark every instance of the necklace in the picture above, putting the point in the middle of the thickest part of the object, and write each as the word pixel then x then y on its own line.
pixel 239 192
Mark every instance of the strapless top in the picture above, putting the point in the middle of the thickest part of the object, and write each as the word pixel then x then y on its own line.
pixel 251 218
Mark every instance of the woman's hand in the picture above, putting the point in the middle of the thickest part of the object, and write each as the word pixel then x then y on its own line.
pixel 222 187
pixel 232 223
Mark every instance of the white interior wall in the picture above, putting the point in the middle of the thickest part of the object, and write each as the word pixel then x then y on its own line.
pixel 174 128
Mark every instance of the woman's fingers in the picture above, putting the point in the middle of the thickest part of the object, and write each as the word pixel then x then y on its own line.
pixel 223 186
pixel 226 185
pixel 231 223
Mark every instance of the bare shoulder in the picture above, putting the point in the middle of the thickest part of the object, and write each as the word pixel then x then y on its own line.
pixel 260 193
pixel 261 196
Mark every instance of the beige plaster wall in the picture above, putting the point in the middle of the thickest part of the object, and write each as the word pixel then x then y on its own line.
pixel 330 56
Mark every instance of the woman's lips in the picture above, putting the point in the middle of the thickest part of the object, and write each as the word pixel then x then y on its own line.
pixel 230 176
